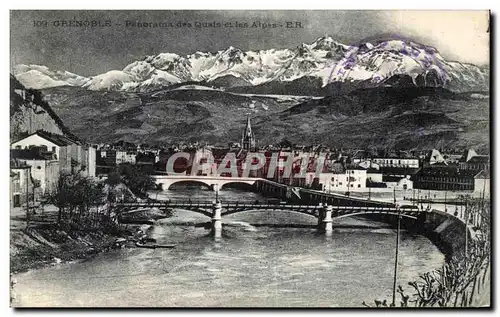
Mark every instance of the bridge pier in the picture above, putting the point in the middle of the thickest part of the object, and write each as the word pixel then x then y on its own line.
pixel 217 221
pixel 321 215
pixel 325 221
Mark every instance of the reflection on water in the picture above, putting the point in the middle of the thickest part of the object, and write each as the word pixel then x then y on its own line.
pixel 251 266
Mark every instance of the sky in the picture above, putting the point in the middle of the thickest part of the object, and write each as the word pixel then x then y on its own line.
pixel 458 35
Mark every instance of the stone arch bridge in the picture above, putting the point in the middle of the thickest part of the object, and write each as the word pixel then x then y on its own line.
pixel 211 181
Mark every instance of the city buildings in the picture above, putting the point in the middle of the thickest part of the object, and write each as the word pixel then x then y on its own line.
pixel 470 160
pixel 39 158
pixel 72 155
pixel 444 178
pixel 401 162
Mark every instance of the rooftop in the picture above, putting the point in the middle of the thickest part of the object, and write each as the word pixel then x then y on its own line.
pixel 57 139
pixel 479 159
pixel 483 175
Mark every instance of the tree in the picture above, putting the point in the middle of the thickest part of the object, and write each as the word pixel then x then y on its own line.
pixel 72 193
pixel 285 144
pixel 136 180
pixel 114 179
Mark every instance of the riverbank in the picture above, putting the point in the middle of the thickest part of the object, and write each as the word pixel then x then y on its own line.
pixel 466 275
pixel 39 244
pixel 144 216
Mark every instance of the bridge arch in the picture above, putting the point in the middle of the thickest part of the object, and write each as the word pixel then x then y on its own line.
pixel 364 213
pixel 236 184
pixel 304 212
pixel 198 211
pixel 168 186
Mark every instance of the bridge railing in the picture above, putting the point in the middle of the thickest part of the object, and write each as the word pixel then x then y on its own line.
pixel 261 205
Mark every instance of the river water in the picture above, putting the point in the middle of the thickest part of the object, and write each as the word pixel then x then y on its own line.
pixel 254 266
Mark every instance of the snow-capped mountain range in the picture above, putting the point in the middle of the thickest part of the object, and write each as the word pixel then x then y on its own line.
pixel 325 59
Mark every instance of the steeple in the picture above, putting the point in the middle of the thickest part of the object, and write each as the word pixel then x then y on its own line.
pixel 248 129
pixel 248 138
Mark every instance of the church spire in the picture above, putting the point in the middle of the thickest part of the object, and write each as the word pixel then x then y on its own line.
pixel 248 128
pixel 248 138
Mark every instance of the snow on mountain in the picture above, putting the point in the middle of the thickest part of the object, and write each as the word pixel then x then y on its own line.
pixel 326 59
pixel 39 77
pixel 112 80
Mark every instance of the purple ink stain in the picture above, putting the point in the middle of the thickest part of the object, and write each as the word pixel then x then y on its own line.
pixel 420 131
pixel 350 60
pixel 348 65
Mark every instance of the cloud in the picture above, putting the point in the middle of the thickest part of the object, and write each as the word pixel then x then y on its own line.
pixel 458 35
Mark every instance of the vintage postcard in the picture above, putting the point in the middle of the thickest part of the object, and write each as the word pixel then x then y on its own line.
pixel 260 158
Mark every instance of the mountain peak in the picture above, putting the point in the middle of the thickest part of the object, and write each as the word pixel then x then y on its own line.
pixel 325 60
pixel 327 43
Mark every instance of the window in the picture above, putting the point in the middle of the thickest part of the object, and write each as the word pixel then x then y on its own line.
pixel 18 147
pixel 340 183
pixel 54 149
pixel 352 185
pixel 38 167
pixel 359 185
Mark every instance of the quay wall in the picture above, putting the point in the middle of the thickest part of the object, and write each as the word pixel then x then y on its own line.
pixel 446 231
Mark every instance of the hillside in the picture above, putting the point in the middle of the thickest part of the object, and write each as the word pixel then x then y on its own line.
pixel 421 118
pixel 407 117
pixel 176 115
pixel 29 113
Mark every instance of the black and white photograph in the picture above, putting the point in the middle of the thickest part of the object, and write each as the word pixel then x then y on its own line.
pixel 250 159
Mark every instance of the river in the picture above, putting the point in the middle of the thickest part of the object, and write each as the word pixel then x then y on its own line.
pixel 255 266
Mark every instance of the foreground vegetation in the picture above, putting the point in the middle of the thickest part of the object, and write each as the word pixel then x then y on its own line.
pixel 461 279
pixel 80 223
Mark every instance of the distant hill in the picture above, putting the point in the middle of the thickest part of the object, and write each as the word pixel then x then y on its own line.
pixel 382 117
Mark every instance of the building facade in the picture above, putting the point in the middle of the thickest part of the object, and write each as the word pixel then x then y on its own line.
pixel 482 185
pixel 21 184
pixel 444 178
pixel 399 162
pixel 44 167
pixel 73 157
pixel 352 179
pixel 125 157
